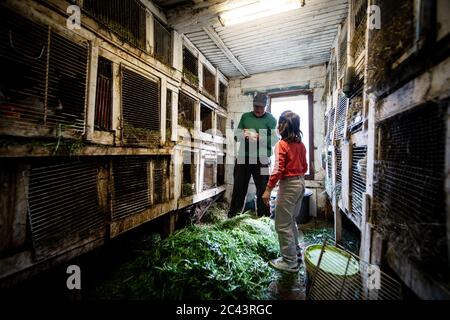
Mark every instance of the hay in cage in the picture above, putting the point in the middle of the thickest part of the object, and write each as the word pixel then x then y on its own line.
pixel 387 44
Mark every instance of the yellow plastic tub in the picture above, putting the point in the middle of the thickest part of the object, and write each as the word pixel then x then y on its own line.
pixel 335 280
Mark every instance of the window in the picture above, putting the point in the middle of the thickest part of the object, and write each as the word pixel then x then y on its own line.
pixel 223 94
pixel 163 48
pixel 209 83
pixel 140 109
pixel 302 105
pixel 190 67
pixel 103 99
pixel 126 18
pixel 186 111
pixel 206 115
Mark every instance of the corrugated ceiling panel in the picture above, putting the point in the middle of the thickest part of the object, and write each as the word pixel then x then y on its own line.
pixel 293 39
pixel 214 55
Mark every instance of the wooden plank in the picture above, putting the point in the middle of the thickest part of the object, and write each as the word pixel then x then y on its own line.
pixel 223 47
pixel 447 180
pixel 13 206
pixel 120 226
pixel 103 187
pixel 91 91
pixel 187 201
pixel 21 266
pixel 7 129
pixel 366 242
pixel 369 136
pixel 177 46
pixel 169 226
pixel 102 137
pixel 163 110
pixel 15 263
pixel 189 19
pixel 431 85
pixel 69 243
pixel 125 224
pixel 337 223
pixel 155 10
pixel 377 247
pixel 149 33
pixel 419 282
pixel 29 150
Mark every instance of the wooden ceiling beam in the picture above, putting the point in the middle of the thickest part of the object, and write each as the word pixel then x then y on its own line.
pixel 222 46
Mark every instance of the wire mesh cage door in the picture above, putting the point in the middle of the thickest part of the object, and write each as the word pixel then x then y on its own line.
pixel 40 91
pixel 334 273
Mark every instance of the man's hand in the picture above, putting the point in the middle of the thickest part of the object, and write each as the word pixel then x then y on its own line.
pixel 250 135
pixel 246 133
pixel 254 136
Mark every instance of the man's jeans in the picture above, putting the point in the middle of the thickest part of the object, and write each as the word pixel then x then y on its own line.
pixel 242 174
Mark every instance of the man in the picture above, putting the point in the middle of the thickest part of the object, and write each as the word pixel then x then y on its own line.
pixel 256 134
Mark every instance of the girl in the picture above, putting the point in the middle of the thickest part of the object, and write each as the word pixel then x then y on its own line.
pixel 290 168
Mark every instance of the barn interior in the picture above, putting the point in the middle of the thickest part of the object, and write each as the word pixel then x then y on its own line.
pixel 117 123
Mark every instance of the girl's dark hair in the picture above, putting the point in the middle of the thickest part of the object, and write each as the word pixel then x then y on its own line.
pixel 289 126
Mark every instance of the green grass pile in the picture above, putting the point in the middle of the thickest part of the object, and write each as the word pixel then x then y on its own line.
pixel 224 260
pixel 216 213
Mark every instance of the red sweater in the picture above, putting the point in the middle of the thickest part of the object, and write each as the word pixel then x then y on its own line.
pixel 290 161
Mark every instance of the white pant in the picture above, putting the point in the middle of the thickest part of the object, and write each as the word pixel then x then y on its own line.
pixel 289 200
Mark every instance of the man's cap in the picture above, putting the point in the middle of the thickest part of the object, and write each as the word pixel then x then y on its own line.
pixel 260 99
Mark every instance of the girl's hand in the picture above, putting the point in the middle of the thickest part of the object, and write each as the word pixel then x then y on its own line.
pixel 266 198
